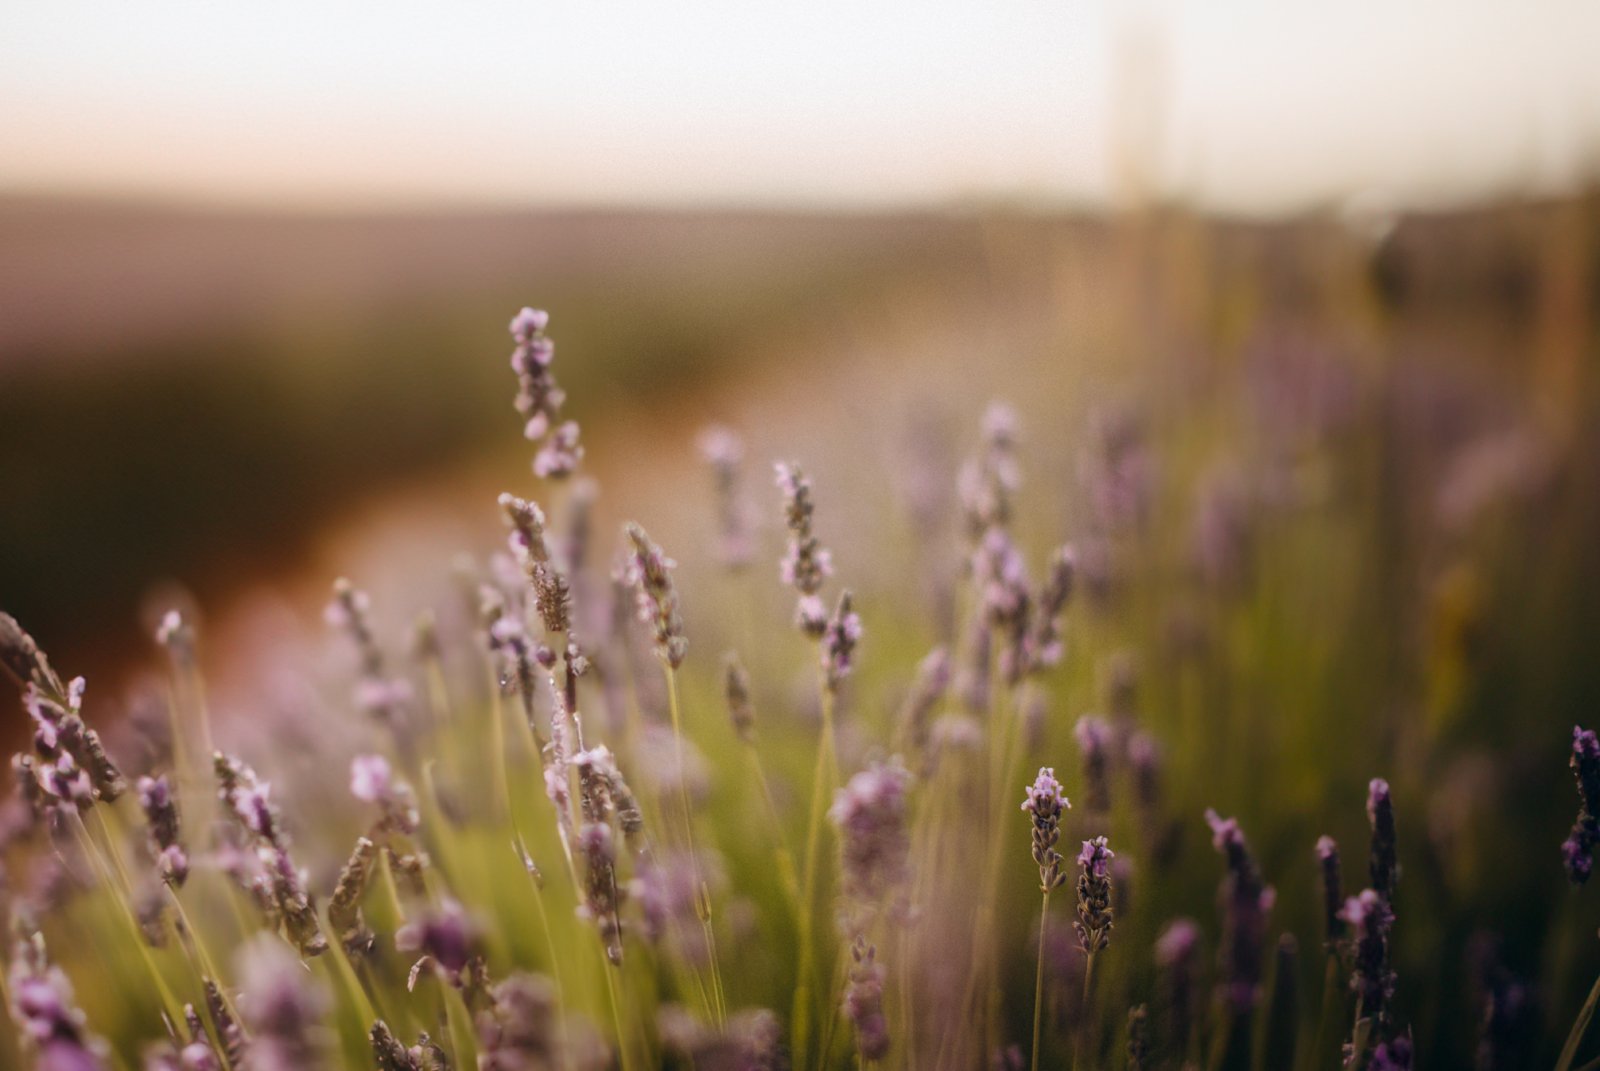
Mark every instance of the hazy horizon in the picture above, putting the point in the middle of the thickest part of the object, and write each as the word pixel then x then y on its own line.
pixel 1243 109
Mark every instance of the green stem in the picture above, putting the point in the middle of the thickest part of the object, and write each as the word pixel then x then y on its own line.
pixel 1569 1051
pixel 803 986
pixel 1038 977
pixel 702 893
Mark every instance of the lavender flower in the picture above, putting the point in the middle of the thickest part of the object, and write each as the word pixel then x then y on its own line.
pixel 177 636
pixel 539 399
pixel 1176 951
pixel 283 1004
pixel 1144 756
pixel 47 1018
pixel 987 483
pixel 552 596
pixel 1577 851
pixel 1044 644
pixel 838 645
pixel 59 730
pixel 1044 803
pixel 1383 865
pixel 916 713
pixel 649 571
pixel 1393 1055
pixel 806 564
pixel 518 1031
pixel 723 450
pixel 344 906
pixel 598 778
pixel 371 781
pixel 863 1002
pixel 376 692
pixel 1371 979
pixel 874 839
pixel 1093 735
pixel 1332 892
pixel 161 818
pixel 279 886
pixel 1094 919
pixel 1246 902
pixel 388 1051
pixel 736 691
pixel 444 938
pixel 23 661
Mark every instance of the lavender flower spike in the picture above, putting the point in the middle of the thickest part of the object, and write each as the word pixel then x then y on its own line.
pixel 539 399
pixel 874 837
pixel 1333 922
pixel 1094 896
pixel 1045 802
pixel 1577 851
pixel 1246 902
pixel 1371 979
pixel 863 1002
pixel 806 564
pixel 723 450
pixel 1383 864
pixel 161 816
pixel 283 1004
pixel 839 641
pixel 48 1020
pixel 1093 735
pixel 649 571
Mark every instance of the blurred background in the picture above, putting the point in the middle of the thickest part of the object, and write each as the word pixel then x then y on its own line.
pixel 1297 306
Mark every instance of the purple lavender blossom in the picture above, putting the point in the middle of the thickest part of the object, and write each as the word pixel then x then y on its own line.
pixel 736 692
pixel 1392 1055
pixel 1094 920
pixel 1176 952
pixel 806 563
pixel 1383 865
pixel 539 399
pixel 1333 922
pixel 443 935
pixel 519 1030
pixel 283 1004
pixel 1045 803
pixel 874 837
pixel 22 659
pixel 915 723
pixel 723 450
pixel 161 820
pixel 1246 902
pixel 988 482
pixel 838 643
pixel 552 596
pixel 649 571
pixel 1577 851
pixel 1370 920
pixel 46 1015
pixel 1093 735
pixel 377 693
pixel 863 1002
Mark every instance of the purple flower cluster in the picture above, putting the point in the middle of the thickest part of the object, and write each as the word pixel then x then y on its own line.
pixel 283 1006
pixel 806 563
pixel 1246 902
pixel 1370 920
pixel 1176 952
pixel 73 767
pixel 552 597
pixel 1045 803
pixel 539 399
pixel 1383 864
pixel 838 643
pixel 277 885
pixel 1094 920
pixel 874 837
pixel 1577 851
pixel 46 1016
pixel 988 482
pixel 723 450
pixel 379 694
pixel 1333 921
pixel 161 820
pixel 863 1002
pixel 1093 735
pixel 649 572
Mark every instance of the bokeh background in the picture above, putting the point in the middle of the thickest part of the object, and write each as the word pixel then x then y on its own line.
pixel 1298 309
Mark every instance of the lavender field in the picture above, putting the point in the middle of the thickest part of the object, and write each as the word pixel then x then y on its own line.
pixel 1143 640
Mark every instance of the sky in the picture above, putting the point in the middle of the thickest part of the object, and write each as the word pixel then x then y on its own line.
pixel 1239 105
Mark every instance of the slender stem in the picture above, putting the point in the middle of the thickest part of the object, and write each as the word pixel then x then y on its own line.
pixel 702 893
pixel 1038 977
pixel 616 1010
pixel 802 992
pixel 1084 1017
pixel 555 960
pixel 173 1008
pixel 460 1024
pixel 1569 1051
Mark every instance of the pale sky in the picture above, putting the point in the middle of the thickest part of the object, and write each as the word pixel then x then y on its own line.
pixel 1242 105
